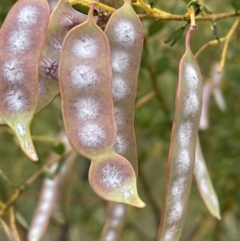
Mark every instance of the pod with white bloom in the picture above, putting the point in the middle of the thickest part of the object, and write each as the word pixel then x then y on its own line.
pixel 182 147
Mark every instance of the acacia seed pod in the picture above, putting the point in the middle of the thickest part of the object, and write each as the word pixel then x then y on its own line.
pixel 45 205
pixel 182 147
pixel 21 39
pixel 204 183
pixel 125 34
pixel 206 94
pixel 217 92
pixel 116 216
pixel 85 87
pixel 62 19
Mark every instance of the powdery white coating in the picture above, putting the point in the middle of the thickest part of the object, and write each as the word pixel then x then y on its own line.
pixel 15 100
pixel 110 236
pixel 19 41
pixel 119 210
pixel 191 104
pixel 120 61
pixel 120 144
pixel 177 188
pixel 85 47
pixel 55 44
pixel 213 200
pixel 175 212
pixel 119 88
pixel 35 231
pixel 21 130
pixel 27 16
pixel 87 109
pixel 119 117
pixel 83 76
pixel 45 206
pixel 183 162
pixel 68 21
pixel 111 176
pixel 185 133
pixel 125 32
pixel 191 77
pixel 29 149
pixel 92 135
pixel 13 71
pixel 170 233
pixel 127 192
pixel 199 167
pixel 48 190
pixel 204 186
pixel 48 67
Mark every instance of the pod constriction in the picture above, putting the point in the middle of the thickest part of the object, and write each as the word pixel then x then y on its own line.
pixel 62 19
pixel 182 148
pixel 21 40
pixel 125 34
pixel 204 184
pixel 85 84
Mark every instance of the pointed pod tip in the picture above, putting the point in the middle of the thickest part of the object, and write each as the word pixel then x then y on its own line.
pixel 113 179
pixel 22 132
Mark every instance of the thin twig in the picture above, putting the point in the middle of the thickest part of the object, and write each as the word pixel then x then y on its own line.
pixel 227 39
pixel 210 43
pixel 158 14
pixel 144 99
pixel 29 181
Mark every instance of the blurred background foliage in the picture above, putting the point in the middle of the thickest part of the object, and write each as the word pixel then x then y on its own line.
pixel 158 75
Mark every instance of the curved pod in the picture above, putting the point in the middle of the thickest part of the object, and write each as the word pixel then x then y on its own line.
pixel 62 19
pixel 204 184
pixel 21 39
pixel 125 34
pixel 182 148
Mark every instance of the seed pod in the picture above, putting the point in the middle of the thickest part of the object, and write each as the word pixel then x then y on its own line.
pixel 204 183
pixel 45 204
pixel 62 19
pixel 217 92
pixel 21 39
pixel 85 86
pixel 116 216
pixel 182 148
pixel 125 34
pixel 206 94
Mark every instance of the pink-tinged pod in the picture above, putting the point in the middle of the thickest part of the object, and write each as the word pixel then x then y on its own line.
pixel 45 205
pixel 116 216
pixel 181 160
pixel 204 184
pixel 206 94
pixel 217 92
pixel 85 86
pixel 51 200
pixel 125 34
pixel 62 19
pixel 112 178
pixel 60 205
pixel 21 39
